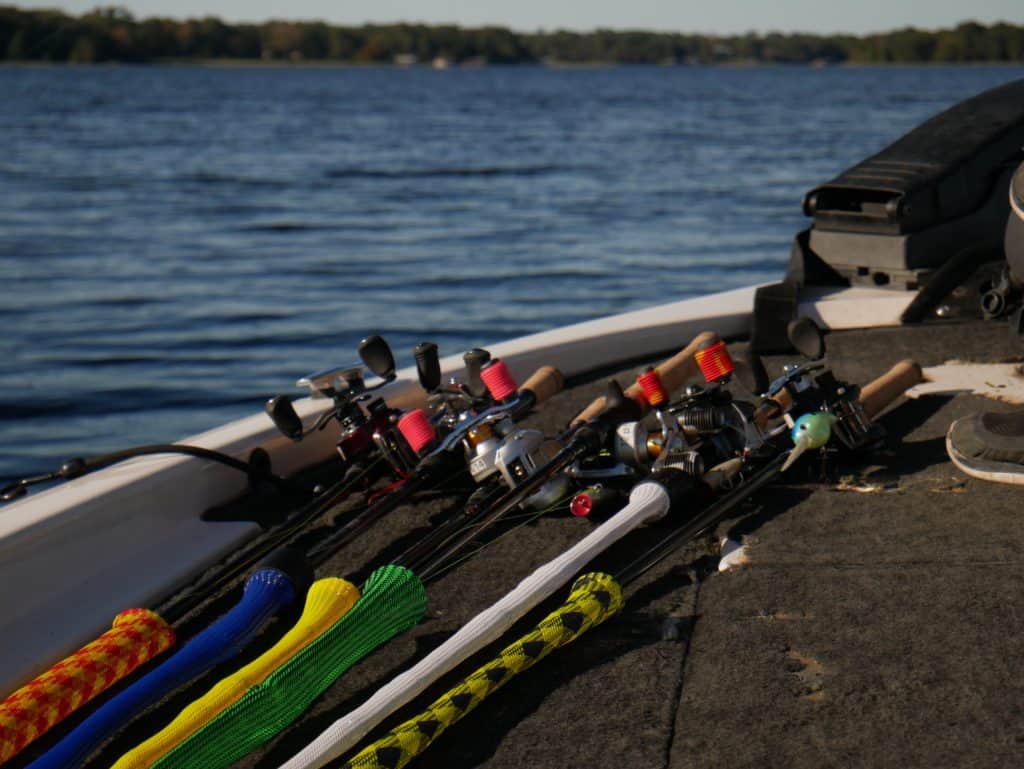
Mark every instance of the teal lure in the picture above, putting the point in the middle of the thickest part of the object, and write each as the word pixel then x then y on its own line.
pixel 811 431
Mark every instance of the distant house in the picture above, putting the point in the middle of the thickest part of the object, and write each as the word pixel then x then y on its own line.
pixel 442 62
pixel 405 60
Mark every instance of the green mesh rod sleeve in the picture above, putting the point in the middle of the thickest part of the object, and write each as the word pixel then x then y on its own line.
pixel 393 601
pixel 594 598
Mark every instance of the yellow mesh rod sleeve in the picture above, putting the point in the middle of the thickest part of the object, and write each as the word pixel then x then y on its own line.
pixel 328 601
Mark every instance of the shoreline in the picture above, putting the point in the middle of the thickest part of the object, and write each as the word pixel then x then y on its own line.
pixel 557 65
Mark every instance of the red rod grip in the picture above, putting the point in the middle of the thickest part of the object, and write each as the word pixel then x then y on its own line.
pixel 137 635
pixel 714 361
pixel 498 379
pixel 416 429
pixel 650 384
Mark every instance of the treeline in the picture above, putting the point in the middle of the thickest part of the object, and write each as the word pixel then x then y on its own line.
pixel 112 34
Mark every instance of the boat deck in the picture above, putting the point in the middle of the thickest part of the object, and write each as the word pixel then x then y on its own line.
pixel 879 621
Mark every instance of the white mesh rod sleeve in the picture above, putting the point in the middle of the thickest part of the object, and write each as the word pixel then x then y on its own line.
pixel 647 502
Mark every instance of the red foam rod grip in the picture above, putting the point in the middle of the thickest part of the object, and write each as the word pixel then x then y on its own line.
pixel 498 379
pixel 714 361
pixel 652 387
pixel 416 429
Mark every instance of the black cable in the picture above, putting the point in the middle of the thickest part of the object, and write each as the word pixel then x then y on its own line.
pixel 77 467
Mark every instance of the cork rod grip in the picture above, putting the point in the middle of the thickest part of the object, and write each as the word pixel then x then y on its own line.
pixel 543 383
pixel 880 392
pixel 673 373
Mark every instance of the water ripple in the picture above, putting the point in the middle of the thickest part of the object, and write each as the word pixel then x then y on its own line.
pixel 178 243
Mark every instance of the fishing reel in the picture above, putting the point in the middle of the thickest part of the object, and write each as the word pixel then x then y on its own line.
pixel 451 402
pixel 453 411
pixel 825 405
pixel 364 420
pixel 701 429
pixel 479 415
pixel 500 451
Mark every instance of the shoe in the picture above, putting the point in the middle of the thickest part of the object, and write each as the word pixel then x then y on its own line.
pixel 989 446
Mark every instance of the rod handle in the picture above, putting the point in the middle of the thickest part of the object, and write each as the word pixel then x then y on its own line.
pixel 880 392
pixel 329 599
pixel 135 637
pixel 874 396
pixel 393 600
pixel 673 373
pixel 544 383
pixel 267 592
pixel 594 598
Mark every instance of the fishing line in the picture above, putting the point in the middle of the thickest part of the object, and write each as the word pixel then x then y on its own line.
pixel 524 520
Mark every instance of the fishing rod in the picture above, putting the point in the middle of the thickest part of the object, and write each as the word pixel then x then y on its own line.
pixel 593 599
pixel 703 428
pixel 650 500
pixel 373 426
pixel 268 591
pixel 440 457
pixel 490 624
pixel 369 435
pixel 138 635
pixel 392 597
pixel 697 431
pixel 283 695
pixel 365 627
pixel 256 469
pixel 502 388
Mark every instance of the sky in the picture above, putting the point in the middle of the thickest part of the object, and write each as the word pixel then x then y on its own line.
pixel 719 17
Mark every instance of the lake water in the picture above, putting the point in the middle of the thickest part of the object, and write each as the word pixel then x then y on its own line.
pixel 179 243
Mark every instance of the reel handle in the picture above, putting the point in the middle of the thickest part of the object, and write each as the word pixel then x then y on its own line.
pixel 673 373
pixel 475 360
pixel 376 354
pixel 282 413
pixel 428 365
